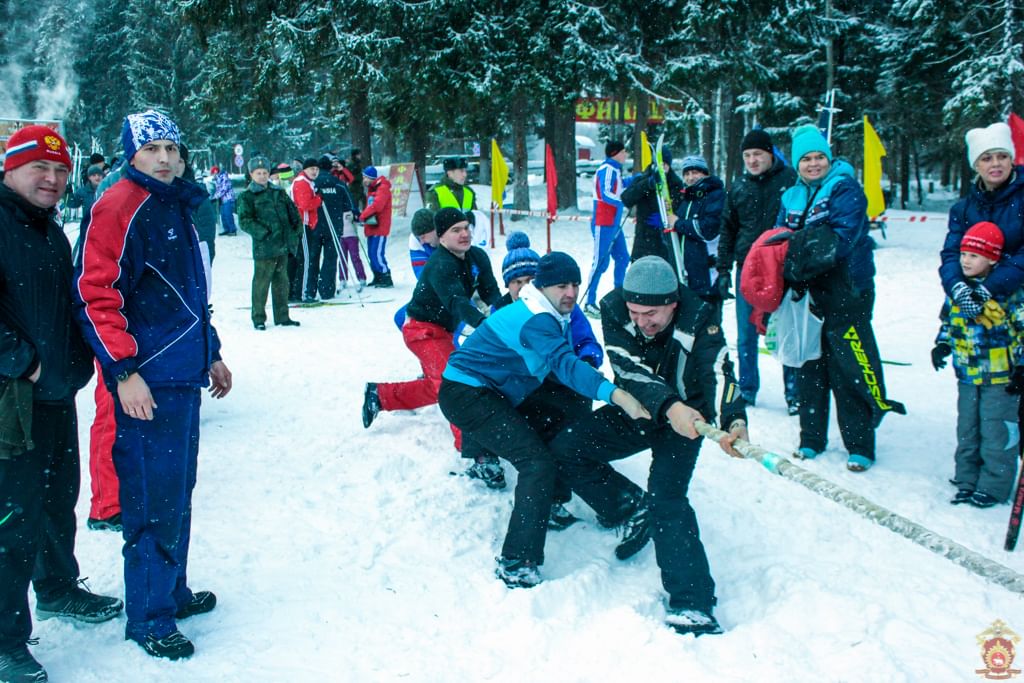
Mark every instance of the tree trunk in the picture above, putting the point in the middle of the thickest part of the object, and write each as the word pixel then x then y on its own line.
pixel 917 172
pixel 520 118
pixel 359 123
pixel 560 133
pixel 390 144
pixel 904 171
pixel 642 105
pixel 419 140
pixel 485 163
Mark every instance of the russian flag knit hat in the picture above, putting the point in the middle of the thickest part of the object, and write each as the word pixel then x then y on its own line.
pixel 35 143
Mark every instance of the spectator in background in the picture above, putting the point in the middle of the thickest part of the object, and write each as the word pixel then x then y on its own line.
pixel 85 194
pixel 225 194
pixel 205 214
pixel 698 218
pixel 308 202
pixel 376 219
pixel 751 208
pixel 606 223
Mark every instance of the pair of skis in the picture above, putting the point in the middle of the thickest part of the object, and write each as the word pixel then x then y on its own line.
pixel 664 205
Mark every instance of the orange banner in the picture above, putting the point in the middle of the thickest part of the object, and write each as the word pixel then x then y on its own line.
pixel 9 126
pixel 606 110
pixel 400 175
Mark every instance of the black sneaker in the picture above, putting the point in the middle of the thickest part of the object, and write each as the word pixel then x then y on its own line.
pixel 80 604
pixel 488 470
pixel 962 496
pixel 259 326
pixel 982 500
pixel 173 646
pixel 201 603
pixel 560 518
pixel 636 531
pixel 17 665
pixel 687 621
pixel 371 404
pixel 111 523
pixel 289 323
pixel 518 573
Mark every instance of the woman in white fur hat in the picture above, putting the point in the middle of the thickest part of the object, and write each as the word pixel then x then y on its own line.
pixel 997 196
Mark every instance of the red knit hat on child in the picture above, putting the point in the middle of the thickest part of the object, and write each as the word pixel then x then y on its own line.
pixel 35 143
pixel 984 239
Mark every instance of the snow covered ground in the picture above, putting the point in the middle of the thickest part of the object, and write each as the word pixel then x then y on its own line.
pixel 344 554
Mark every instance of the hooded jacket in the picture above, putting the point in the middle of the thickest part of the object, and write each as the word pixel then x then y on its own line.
pixel 751 208
pixel 36 323
pixel 140 291
pixel 1004 206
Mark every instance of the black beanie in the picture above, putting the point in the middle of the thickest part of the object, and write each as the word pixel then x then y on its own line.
pixel 310 163
pixel 446 218
pixel 613 147
pixel 757 139
pixel 324 163
pixel 422 222
pixel 556 268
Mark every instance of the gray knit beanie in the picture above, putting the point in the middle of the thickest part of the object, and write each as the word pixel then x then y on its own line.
pixel 422 222
pixel 650 281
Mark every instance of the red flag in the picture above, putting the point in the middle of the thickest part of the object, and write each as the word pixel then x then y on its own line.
pixel 552 179
pixel 1016 124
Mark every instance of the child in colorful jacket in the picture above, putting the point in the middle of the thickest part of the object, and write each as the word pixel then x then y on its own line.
pixel 987 358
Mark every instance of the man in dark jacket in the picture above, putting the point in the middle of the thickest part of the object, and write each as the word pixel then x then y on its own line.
pixel 270 217
pixel 142 302
pixel 666 349
pixel 43 362
pixel 643 194
pixel 442 299
pixel 752 208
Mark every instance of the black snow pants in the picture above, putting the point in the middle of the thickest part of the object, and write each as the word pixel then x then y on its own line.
pixel 583 454
pixel 322 279
pixel 38 492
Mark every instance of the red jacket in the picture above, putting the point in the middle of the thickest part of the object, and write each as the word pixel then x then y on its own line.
pixel 343 174
pixel 761 282
pixel 378 203
pixel 306 199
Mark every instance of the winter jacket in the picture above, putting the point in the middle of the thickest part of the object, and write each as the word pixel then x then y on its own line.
pixel 449 193
pixel 830 253
pixel 419 254
pixel 1004 207
pixel 266 213
pixel 37 327
pixel 518 347
pixel 336 203
pixel 307 201
pixel 762 283
pixel 687 361
pixel 204 215
pixel 83 196
pixel 581 334
pixel 444 292
pixel 984 356
pixel 224 192
pixel 643 194
pixel 378 204
pixel 608 188
pixel 343 175
pixel 140 290
pixel 698 211
pixel 752 206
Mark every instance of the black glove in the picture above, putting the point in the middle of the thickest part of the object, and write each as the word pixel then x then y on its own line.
pixel 939 355
pixel 723 284
pixel 1016 385
pixel 971 301
pixel 779 238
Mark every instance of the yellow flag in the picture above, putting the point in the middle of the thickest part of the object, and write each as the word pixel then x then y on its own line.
pixel 873 153
pixel 499 175
pixel 645 151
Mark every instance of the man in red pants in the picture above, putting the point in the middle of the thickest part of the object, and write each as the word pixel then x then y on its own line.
pixel 105 507
pixel 442 299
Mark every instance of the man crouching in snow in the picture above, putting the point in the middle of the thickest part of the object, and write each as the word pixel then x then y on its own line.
pixel 666 349
pixel 494 389
pixel 141 299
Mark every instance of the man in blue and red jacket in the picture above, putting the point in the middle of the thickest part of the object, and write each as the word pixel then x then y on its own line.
pixel 609 240
pixel 141 299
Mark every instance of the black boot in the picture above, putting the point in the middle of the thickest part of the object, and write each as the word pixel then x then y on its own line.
pixel 371 404
pixel 78 603
pixel 201 603
pixel 19 666
pixel 636 531
pixel 173 646
pixel 384 281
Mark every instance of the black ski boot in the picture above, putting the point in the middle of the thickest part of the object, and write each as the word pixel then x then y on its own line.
pixel 17 665
pixel 371 404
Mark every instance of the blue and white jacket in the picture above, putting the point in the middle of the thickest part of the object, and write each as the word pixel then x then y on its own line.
pixel 518 347
pixel 608 187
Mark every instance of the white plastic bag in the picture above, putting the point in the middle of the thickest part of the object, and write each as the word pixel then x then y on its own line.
pixel 794 332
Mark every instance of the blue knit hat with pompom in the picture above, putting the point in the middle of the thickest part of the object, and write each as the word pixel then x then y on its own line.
pixel 520 260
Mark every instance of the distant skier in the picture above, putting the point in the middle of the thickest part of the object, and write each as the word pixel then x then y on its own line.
pixel 376 219
pixel 606 223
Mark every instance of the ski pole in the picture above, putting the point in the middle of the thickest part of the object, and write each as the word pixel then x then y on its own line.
pixel 968 559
